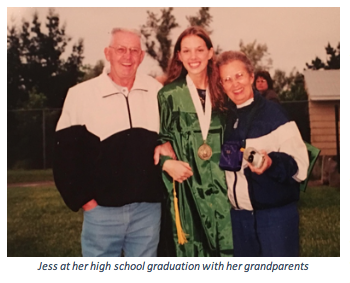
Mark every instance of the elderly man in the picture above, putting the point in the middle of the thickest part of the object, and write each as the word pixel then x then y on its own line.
pixel 105 139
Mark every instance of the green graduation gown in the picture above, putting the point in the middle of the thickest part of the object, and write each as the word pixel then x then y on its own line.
pixel 203 203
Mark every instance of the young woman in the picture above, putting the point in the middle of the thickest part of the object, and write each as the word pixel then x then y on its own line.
pixel 191 122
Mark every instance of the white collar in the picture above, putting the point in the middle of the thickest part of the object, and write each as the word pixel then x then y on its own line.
pixel 109 87
pixel 246 103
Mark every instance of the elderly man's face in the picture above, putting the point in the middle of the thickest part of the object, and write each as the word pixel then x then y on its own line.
pixel 124 55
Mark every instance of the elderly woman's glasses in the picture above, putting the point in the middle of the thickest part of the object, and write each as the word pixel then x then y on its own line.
pixel 121 50
pixel 228 81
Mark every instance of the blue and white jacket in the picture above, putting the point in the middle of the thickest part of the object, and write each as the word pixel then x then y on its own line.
pixel 269 130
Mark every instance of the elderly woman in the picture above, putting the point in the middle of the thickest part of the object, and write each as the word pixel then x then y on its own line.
pixel 265 220
pixel 264 84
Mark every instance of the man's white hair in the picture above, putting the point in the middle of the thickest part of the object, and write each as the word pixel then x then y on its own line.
pixel 130 30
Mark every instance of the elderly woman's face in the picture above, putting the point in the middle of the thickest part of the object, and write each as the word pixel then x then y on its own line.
pixel 237 82
pixel 261 84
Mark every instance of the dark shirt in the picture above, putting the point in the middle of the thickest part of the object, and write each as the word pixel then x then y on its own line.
pixel 270 94
pixel 201 93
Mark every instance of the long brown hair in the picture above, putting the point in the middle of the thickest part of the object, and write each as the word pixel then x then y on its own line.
pixel 177 70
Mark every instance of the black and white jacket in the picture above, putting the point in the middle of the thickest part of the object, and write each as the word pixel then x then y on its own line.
pixel 105 139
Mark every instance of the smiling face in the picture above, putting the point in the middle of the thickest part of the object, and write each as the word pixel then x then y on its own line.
pixel 194 55
pixel 125 55
pixel 237 82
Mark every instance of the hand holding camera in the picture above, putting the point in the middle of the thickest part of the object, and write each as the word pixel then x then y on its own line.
pixel 258 161
pixel 253 157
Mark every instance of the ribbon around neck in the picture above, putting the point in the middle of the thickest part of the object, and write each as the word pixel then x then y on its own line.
pixel 204 117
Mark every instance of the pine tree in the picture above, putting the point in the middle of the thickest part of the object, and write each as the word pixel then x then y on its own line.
pixel 333 61
pixel 35 61
pixel 157 31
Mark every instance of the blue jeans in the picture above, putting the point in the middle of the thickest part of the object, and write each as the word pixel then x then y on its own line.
pixel 133 228
pixel 270 232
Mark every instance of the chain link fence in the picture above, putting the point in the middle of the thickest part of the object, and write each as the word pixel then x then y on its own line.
pixel 30 138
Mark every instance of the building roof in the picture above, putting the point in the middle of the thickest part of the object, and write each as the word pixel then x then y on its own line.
pixel 322 84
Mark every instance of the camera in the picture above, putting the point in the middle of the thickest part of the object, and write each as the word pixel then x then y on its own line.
pixel 253 156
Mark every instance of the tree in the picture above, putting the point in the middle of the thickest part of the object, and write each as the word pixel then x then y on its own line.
pixel 92 72
pixel 37 77
pixel 290 88
pixel 35 61
pixel 157 32
pixel 257 55
pixel 316 64
pixel 333 59
pixel 15 76
pixel 202 19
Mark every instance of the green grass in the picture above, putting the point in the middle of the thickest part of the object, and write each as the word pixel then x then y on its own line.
pixel 319 210
pixel 26 176
pixel 39 223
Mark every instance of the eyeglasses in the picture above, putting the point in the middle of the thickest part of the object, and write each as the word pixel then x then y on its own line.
pixel 260 81
pixel 121 50
pixel 228 81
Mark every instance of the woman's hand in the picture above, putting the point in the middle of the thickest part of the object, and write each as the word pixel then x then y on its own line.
pixel 178 170
pixel 164 149
pixel 266 164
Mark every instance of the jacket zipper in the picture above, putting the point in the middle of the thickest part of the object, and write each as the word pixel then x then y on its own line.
pixel 127 104
pixel 234 190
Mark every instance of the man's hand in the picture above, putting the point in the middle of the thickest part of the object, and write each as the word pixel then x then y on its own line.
pixel 164 149
pixel 89 205
pixel 178 170
pixel 266 164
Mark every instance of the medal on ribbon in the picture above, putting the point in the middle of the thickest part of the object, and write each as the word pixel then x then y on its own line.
pixel 204 151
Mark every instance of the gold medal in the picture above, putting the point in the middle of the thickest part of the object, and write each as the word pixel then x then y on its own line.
pixel 204 117
pixel 205 152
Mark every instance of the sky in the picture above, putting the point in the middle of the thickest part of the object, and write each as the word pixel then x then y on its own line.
pixel 293 35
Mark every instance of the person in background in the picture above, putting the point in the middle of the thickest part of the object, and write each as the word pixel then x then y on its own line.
pixel 265 220
pixel 105 140
pixel 264 84
pixel 194 126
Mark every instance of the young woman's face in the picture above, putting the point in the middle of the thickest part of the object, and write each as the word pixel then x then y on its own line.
pixel 194 55
pixel 237 82
pixel 261 84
